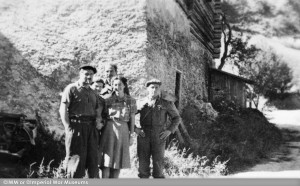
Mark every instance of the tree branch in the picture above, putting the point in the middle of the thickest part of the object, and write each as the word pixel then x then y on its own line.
pixel 227 41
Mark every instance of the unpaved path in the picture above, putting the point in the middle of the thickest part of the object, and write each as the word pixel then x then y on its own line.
pixel 284 163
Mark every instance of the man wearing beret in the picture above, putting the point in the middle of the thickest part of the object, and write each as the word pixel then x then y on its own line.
pixel 81 116
pixel 154 111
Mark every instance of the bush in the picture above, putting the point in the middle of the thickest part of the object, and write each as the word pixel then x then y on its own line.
pixel 241 135
pixel 244 137
pixel 224 105
pixel 47 149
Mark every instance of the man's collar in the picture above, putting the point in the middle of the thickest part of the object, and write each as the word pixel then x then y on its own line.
pixel 107 82
pixel 156 98
pixel 80 85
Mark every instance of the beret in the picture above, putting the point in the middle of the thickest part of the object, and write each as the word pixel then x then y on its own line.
pixel 153 81
pixel 88 67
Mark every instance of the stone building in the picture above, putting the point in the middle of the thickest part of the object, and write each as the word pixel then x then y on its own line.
pixel 183 39
pixel 43 42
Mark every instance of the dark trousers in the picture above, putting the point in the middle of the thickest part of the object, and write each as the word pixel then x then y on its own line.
pixel 148 146
pixel 84 143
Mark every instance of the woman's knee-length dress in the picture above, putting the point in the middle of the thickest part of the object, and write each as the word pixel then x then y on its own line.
pixel 114 140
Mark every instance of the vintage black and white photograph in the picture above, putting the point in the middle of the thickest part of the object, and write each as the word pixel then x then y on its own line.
pixel 158 89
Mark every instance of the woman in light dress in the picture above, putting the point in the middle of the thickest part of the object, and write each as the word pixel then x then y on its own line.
pixel 116 136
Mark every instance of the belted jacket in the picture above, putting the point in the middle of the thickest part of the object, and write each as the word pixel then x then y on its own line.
pixel 157 115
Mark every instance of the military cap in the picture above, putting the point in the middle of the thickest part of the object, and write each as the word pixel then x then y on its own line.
pixel 88 67
pixel 153 81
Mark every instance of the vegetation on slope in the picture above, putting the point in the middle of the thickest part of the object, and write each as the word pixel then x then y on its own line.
pixel 240 136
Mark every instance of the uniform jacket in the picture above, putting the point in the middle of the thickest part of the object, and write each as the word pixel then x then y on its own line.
pixel 157 115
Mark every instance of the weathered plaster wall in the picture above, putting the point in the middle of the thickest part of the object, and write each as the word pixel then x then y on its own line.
pixel 47 40
pixel 171 47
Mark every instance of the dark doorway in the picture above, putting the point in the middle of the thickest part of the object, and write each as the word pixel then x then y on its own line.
pixel 177 137
pixel 178 89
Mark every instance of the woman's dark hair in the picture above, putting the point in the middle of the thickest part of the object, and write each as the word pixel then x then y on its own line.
pixel 124 81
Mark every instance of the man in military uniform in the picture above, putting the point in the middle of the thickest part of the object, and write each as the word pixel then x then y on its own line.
pixel 81 116
pixel 154 111
pixel 111 70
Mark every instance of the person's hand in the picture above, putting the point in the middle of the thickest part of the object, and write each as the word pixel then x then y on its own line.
pixel 65 163
pixel 163 135
pixel 139 132
pixel 99 124
pixel 68 132
pixel 130 140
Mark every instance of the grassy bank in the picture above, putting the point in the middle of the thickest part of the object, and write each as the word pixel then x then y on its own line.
pixel 243 136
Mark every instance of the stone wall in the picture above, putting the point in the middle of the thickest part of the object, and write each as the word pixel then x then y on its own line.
pixel 172 47
pixel 43 42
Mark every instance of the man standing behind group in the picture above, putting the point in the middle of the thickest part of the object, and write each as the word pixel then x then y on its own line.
pixel 154 111
pixel 80 113
pixel 111 71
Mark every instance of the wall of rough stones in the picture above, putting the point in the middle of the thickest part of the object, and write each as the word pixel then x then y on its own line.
pixel 171 48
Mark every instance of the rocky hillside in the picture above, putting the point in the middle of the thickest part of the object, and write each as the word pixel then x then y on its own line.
pixel 273 24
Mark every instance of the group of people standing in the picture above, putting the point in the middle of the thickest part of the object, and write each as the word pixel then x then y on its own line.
pixel 99 120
